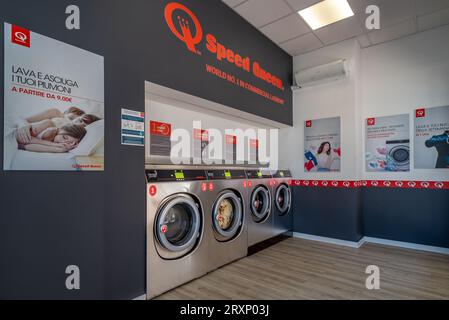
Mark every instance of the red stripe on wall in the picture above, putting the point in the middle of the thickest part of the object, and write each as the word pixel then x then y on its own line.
pixel 372 184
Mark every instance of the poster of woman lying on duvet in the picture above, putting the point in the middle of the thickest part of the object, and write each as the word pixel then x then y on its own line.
pixel 53 106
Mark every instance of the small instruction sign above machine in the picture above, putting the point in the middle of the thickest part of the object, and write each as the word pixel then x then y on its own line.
pixel 133 128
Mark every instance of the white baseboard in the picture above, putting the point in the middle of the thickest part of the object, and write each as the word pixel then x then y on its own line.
pixel 346 243
pixel 142 297
pixel 354 244
pixel 407 245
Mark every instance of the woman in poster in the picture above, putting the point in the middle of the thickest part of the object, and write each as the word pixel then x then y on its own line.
pixel 38 124
pixel 324 157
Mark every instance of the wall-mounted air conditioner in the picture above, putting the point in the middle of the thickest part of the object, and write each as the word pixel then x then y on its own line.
pixel 325 73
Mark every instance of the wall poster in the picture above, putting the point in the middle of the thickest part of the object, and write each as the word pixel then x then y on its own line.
pixel 387 144
pixel 322 146
pixel 432 138
pixel 53 104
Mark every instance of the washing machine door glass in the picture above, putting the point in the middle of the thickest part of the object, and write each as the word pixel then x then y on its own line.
pixel 260 203
pixel 227 215
pixel 178 224
pixel 283 199
pixel 400 157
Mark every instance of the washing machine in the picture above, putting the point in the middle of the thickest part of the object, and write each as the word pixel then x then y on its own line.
pixel 398 155
pixel 282 202
pixel 259 197
pixel 228 237
pixel 176 248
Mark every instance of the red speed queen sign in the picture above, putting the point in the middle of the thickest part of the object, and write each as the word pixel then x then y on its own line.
pixel 420 113
pixel 20 36
pixel 371 121
pixel 160 128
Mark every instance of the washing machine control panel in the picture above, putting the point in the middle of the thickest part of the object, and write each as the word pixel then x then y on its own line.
pixel 257 174
pixel 225 174
pixel 282 174
pixel 174 175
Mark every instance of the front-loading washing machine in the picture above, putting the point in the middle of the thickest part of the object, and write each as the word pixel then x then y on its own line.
pixel 282 202
pixel 259 208
pixel 228 239
pixel 176 248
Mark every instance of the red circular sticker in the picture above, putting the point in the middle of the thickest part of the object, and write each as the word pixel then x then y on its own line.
pixel 164 228
pixel 250 184
pixel 152 190
pixel 204 187
pixel 211 186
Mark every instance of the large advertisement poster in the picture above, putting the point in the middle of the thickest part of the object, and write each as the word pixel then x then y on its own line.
pixel 432 138
pixel 387 144
pixel 54 104
pixel 322 150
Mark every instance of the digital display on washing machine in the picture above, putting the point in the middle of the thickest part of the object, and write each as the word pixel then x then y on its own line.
pixel 179 175
pixel 282 174
pixel 175 175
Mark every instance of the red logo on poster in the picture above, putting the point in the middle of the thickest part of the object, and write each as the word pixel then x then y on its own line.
pixel 420 113
pixel 186 33
pixel 20 36
pixel 160 128
pixel 200 134
pixel 371 121
pixel 308 123
pixel 153 190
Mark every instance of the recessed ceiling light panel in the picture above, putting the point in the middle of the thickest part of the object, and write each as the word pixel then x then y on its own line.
pixel 326 12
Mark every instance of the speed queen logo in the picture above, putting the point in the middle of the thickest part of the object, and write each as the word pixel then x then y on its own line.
pixel 20 36
pixel 185 35
pixel 184 24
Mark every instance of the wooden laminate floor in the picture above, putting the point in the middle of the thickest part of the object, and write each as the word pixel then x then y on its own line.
pixel 302 269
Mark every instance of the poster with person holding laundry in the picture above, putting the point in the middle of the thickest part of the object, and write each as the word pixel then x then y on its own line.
pixel 53 106
pixel 322 151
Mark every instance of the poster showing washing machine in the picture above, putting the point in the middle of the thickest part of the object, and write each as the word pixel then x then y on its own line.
pixel 387 144
pixel 322 145
pixel 432 138
pixel 53 104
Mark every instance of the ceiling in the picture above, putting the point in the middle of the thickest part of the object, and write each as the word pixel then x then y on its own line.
pixel 279 21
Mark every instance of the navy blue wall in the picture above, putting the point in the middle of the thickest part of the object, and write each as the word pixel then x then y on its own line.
pixel 328 212
pixel 410 215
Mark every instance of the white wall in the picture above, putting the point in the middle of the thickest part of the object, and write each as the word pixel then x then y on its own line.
pixel 401 76
pixel 391 78
pixel 324 101
pixel 181 115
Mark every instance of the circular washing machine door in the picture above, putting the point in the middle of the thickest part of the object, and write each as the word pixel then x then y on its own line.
pixel 283 199
pixel 400 156
pixel 260 204
pixel 177 226
pixel 227 216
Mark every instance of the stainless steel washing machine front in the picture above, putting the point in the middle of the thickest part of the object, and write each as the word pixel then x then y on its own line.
pixel 228 237
pixel 282 202
pixel 176 246
pixel 259 207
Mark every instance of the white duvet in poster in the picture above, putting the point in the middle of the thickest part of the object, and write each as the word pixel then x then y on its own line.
pixel 387 144
pixel 322 151
pixel 53 104
pixel 432 138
